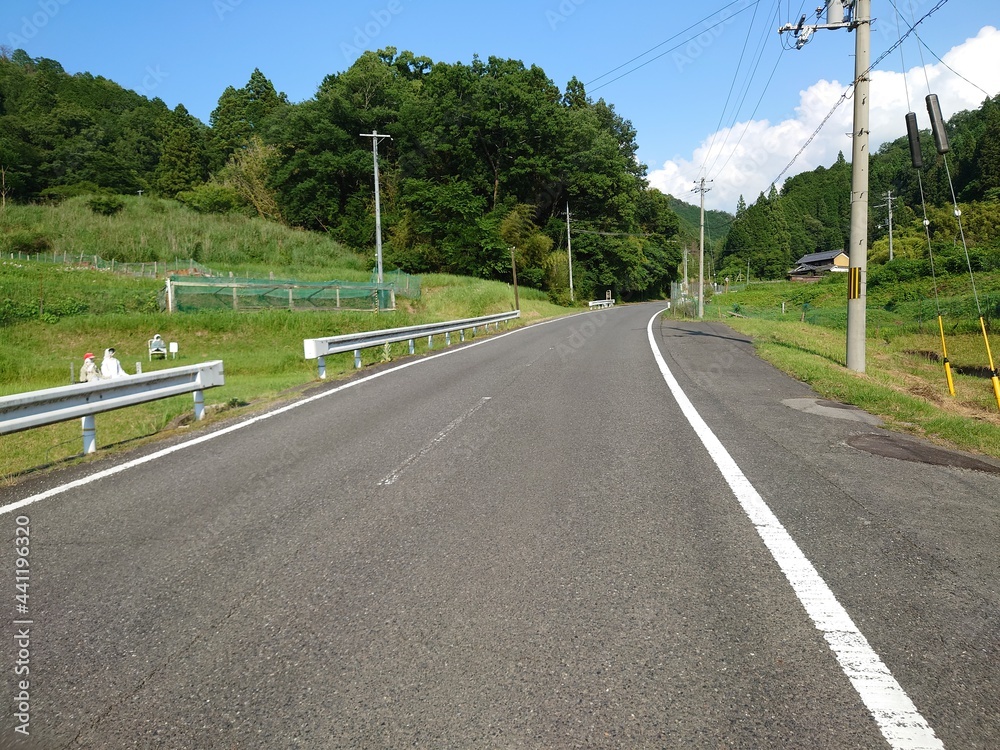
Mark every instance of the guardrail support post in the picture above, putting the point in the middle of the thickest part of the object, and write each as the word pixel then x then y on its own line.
pixel 321 361
pixel 430 342
pixel 199 405
pixel 447 338
pixel 89 434
pixel 412 348
pixel 461 335
pixel 357 359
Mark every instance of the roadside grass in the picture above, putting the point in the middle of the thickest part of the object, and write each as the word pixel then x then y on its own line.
pixel 904 382
pixel 262 352
pixel 154 229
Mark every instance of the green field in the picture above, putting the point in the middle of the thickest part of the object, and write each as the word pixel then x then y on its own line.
pixel 52 313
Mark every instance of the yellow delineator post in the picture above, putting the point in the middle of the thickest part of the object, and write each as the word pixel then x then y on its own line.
pixel 993 369
pixel 947 364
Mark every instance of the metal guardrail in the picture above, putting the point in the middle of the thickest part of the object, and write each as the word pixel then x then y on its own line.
pixel 602 303
pixel 319 349
pixel 25 411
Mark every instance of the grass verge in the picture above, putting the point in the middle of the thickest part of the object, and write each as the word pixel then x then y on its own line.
pixel 902 383
pixel 262 352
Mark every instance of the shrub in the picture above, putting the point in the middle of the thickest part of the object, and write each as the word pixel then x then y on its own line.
pixel 211 199
pixel 106 205
pixel 26 241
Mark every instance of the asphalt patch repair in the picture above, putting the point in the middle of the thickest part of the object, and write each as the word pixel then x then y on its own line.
pixel 896 446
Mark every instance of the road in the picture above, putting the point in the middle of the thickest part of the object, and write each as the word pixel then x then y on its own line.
pixel 544 539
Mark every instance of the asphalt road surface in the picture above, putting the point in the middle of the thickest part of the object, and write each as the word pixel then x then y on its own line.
pixel 606 531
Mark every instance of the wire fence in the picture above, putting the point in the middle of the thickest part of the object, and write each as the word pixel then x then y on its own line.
pixel 189 294
pixel 151 270
pixel 958 314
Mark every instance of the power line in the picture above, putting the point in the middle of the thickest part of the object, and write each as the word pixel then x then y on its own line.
pixel 676 46
pixel 746 90
pixel 924 45
pixel 657 46
pixel 732 85
pixel 847 92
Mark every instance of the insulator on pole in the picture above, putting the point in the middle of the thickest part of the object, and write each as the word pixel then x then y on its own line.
pixel 913 133
pixel 937 124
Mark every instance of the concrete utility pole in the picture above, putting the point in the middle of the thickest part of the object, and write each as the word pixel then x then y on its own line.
pixel 513 268
pixel 858 20
pixel 701 248
pixel 569 255
pixel 376 137
pixel 888 204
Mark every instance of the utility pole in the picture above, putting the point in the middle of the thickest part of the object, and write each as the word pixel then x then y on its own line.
pixel 701 248
pixel 513 267
pixel 888 204
pixel 569 255
pixel 684 289
pixel 854 16
pixel 376 137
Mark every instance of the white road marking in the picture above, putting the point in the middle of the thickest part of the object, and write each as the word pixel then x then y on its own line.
pixel 898 719
pixel 392 476
pixel 253 420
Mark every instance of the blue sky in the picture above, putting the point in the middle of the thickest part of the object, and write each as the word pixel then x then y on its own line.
pixel 754 115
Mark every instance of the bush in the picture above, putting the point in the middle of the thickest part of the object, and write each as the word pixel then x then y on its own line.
pixel 59 193
pixel 106 205
pixel 26 241
pixel 211 199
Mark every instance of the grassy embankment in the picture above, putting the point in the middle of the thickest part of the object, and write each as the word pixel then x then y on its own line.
pixel 50 314
pixel 904 381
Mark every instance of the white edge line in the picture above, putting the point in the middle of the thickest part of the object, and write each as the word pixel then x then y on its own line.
pixel 104 473
pixel 897 717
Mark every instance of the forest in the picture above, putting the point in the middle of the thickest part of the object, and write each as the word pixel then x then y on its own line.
pixel 483 157
pixel 811 212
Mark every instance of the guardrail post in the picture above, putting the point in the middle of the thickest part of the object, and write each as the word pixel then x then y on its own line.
pixel 199 405
pixel 357 359
pixel 412 348
pixel 430 342
pixel 89 434
pixel 447 338
pixel 322 367
pixel 461 335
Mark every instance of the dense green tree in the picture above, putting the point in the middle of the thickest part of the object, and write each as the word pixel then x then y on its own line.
pixel 240 114
pixel 184 162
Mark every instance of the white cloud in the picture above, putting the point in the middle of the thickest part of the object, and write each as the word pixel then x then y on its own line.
pixel 746 166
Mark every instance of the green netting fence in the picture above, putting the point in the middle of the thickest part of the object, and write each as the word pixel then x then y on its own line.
pixel 186 294
pixel 404 284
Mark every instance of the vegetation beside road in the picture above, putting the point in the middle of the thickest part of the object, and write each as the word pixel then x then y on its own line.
pixel 262 351
pixel 904 382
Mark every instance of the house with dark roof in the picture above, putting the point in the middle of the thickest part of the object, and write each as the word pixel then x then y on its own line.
pixel 814 266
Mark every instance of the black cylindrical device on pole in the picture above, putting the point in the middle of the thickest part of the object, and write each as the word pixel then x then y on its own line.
pixel 937 124
pixel 913 133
